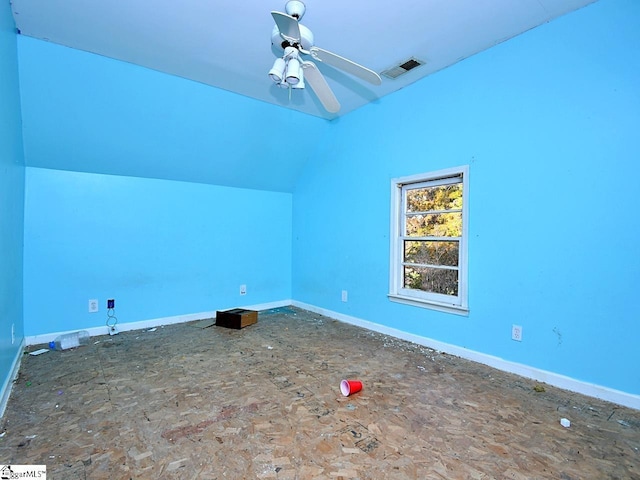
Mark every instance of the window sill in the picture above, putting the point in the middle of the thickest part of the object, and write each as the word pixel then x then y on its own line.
pixel 430 305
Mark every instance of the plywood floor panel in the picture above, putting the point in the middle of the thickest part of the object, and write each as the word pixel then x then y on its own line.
pixel 264 402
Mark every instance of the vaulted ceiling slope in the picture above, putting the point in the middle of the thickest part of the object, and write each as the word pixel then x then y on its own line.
pixel 228 44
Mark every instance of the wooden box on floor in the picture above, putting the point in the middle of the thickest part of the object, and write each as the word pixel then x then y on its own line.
pixel 236 318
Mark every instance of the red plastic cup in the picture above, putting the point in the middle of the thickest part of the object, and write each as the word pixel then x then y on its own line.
pixel 349 387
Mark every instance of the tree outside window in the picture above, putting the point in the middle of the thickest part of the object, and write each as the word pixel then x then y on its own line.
pixel 429 238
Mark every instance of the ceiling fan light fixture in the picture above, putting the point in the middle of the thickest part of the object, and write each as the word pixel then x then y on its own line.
pixel 293 72
pixel 277 71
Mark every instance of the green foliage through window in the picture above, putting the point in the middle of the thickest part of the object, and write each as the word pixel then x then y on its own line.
pixel 432 232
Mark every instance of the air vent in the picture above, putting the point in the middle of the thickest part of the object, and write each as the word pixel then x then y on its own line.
pixel 404 67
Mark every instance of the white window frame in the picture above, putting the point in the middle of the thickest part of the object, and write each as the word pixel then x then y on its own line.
pixel 458 305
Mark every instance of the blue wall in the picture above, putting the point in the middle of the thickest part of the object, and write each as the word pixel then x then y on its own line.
pixel 11 197
pixel 548 123
pixel 160 248
pixel 87 113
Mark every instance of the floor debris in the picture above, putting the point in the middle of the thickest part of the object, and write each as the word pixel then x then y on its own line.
pixel 39 352
pixel 217 403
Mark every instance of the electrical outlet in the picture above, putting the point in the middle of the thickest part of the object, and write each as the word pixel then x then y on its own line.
pixel 516 333
pixel 243 289
pixel 345 295
pixel 111 303
pixel 93 305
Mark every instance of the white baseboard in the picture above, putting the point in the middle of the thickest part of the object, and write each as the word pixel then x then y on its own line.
pixel 45 338
pixel 555 379
pixel 551 378
pixel 5 392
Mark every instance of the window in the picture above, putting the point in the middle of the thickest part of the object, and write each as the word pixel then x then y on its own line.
pixel 429 240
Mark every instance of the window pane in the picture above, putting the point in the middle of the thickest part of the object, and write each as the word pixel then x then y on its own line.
pixel 434 225
pixel 435 280
pixel 443 197
pixel 431 252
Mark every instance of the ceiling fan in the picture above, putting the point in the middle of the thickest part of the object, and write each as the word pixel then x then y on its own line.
pixel 290 71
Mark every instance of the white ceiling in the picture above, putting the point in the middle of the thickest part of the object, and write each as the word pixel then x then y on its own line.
pixel 228 44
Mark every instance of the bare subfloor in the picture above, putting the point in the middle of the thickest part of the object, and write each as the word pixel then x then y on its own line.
pixel 185 402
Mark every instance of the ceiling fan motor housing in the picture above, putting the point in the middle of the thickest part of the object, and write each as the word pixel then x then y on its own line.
pixel 306 38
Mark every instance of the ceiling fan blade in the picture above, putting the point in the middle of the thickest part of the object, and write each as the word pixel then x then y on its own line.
pixel 345 65
pixel 319 85
pixel 288 26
